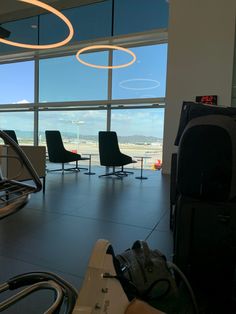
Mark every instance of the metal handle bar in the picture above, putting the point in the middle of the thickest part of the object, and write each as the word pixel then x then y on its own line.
pixel 7 139
pixel 32 278
pixel 49 285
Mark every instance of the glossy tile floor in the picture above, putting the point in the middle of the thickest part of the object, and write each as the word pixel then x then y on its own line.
pixel 56 231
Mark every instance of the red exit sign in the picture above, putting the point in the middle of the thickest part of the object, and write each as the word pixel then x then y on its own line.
pixel 210 99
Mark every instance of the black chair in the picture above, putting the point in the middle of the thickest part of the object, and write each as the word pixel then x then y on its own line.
pixel 110 154
pixel 58 154
pixel 12 135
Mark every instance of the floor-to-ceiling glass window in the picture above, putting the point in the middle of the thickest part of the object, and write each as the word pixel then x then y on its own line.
pixel 64 79
pixel 146 78
pixel 140 133
pixel 17 90
pixel 21 122
pixel 63 94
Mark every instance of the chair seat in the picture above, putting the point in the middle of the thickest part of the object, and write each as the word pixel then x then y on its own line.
pixel 12 134
pixel 120 163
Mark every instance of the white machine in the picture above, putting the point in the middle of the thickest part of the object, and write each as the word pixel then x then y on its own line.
pixel 101 291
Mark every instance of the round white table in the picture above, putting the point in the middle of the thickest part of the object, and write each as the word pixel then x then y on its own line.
pixel 90 159
pixel 141 158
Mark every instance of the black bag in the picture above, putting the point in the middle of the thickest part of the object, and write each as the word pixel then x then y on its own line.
pixel 152 280
pixel 205 247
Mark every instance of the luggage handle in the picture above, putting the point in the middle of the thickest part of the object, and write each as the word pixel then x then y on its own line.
pixel 143 246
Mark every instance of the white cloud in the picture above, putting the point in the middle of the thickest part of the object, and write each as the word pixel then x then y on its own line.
pixel 92 114
pixel 23 101
pixel 121 117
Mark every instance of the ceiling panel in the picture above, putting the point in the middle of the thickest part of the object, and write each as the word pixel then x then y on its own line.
pixel 8 6
pixel 15 9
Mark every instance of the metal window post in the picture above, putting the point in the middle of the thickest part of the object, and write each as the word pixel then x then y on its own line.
pixel 36 101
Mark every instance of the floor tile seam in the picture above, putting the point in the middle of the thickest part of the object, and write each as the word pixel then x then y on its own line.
pixel 154 228
pixel 94 219
pixel 46 211
pixel 109 221
pixel 38 264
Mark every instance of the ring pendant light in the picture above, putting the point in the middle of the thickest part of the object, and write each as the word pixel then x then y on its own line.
pixel 156 84
pixel 99 47
pixel 48 46
pixel 106 47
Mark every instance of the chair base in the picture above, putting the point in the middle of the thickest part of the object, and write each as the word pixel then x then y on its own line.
pixel 116 173
pixel 44 183
pixel 141 178
pixel 125 171
pixel 119 173
pixel 63 169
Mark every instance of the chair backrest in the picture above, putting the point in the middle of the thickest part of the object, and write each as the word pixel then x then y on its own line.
pixel 55 145
pixel 12 134
pixel 109 150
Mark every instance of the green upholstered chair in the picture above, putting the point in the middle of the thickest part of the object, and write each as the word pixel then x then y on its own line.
pixel 58 154
pixel 12 134
pixel 110 154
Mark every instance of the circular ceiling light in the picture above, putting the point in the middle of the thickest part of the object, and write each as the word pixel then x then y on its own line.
pixel 98 47
pixel 156 84
pixel 48 46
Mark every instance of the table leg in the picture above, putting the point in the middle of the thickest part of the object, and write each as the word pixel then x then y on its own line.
pixel 141 171
pixel 89 171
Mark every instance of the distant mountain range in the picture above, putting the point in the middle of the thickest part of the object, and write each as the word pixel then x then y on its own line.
pixel 127 139
pixel 134 139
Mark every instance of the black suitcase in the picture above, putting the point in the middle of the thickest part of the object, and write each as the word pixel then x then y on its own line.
pixel 205 247
pixel 204 234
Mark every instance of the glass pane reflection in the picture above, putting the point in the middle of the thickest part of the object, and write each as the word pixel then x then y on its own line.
pixel 146 78
pixel 21 123
pixel 17 83
pixel 66 79
pixel 145 15
pixel 140 133
pixel 89 22
pixel 24 31
pixel 79 129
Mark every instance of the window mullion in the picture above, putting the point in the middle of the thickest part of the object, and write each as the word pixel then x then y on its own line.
pixel 36 100
pixel 109 90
